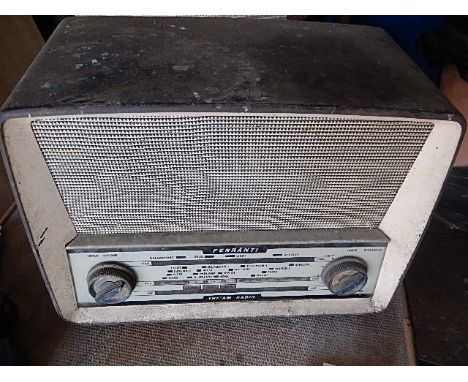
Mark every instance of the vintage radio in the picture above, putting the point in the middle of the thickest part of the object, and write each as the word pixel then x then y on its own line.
pixel 178 168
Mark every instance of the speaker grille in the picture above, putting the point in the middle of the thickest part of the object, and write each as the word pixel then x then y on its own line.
pixel 168 173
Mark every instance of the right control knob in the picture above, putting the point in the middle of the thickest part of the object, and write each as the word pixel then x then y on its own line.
pixel 345 276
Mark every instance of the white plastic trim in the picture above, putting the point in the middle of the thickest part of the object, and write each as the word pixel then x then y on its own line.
pixel 50 229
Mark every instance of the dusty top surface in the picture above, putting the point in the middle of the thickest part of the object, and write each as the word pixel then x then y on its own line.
pixel 225 64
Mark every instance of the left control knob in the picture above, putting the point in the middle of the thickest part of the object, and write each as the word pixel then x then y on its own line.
pixel 110 283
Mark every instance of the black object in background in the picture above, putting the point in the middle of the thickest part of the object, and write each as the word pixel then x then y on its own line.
pixel 437 281
pixel 10 354
pixel 448 44
pixel 453 204
pixel 47 24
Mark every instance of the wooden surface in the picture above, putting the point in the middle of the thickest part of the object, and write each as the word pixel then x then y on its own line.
pixel 20 41
pixel 456 90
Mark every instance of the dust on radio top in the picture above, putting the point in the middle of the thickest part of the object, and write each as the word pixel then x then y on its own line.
pixel 224 64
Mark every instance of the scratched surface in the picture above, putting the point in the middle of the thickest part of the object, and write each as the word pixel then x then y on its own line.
pixel 219 64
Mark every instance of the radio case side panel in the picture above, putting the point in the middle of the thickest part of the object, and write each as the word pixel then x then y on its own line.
pixel 409 214
pixel 47 223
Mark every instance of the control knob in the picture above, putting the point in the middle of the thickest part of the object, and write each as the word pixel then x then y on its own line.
pixel 110 283
pixel 345 276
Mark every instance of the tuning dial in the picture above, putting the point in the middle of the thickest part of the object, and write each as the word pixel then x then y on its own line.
pixel 345 276
pixel 110 283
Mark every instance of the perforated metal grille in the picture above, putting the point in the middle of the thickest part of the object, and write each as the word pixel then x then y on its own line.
pixel 163 173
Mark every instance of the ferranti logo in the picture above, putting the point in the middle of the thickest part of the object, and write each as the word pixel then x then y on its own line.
pixel 236 250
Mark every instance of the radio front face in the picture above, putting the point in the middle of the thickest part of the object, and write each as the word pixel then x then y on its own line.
pixel 275 226
pixel 321 264
pixel 179 174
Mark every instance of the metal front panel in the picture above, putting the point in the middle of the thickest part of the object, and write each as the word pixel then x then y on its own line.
pixel 288 266
pixel 235 172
